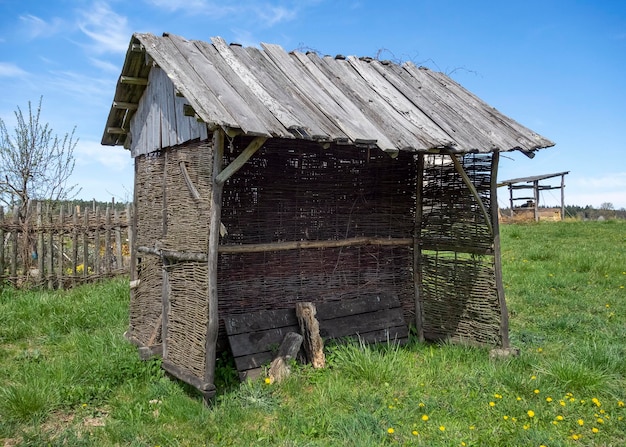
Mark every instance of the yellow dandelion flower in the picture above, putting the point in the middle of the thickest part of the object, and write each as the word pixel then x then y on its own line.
pixel 526 427
pixel 559 418
pixel 463 444
pixel 554 422
pixel 390 430
pixel 497 396
pixel 268 380
pixel 581 422
pixel 442 428
pixel 575 437
pixel 505 417
pixel 425 417
pixel 514 419
pixel 492 404
pixel 421 405
pixel 594 430
pixel 518 398
pixel 620 403
pixel 540 350
pixel 472 427
pixel 530 413
pixel 600 421
pixel 536 391
pixel 596 402
pixel 571 399
pixel 533 377
pixel 602 411
pixel 562 403
pixel 415 433
pixel 548 399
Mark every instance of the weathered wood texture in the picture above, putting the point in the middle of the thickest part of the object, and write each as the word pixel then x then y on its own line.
pixel 279 368
pixel 254 337
pixel 310 329
pixel 63 247
pixel 269 92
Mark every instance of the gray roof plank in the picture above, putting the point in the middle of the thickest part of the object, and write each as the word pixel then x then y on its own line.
pixel 249 97
pixel 280 85
pixel 167 56
pixel 248 78
pixel 332 101
pixel 373 107
pixel 415 121
pixel 213 80
pixel 429 104
pixel 531 139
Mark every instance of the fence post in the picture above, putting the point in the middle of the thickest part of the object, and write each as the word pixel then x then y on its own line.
pixel 50 257
pixel 107 241
pixel 1 245
pixel 85 243
pixel 75 244
pixel 14 244
pixel 60 250
pixel 96 260
pixel 119 262
pixel 40 244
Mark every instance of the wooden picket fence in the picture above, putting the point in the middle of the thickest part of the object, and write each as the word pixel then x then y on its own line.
pixel 64 247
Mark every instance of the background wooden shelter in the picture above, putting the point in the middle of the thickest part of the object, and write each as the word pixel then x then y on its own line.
pixel 266 178
pixel 531 203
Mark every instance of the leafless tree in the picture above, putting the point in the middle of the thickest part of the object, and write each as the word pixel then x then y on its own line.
pixel 35 164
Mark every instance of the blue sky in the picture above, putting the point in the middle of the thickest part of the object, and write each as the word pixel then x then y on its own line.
pixel 556 66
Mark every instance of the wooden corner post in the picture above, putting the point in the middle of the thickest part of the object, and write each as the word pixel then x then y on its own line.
pixel 212 255
pixel 417 249
pixel 504 313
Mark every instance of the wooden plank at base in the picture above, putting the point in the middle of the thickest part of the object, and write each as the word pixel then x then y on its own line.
pixel 360 323
pixel 260 321
pixel 364 304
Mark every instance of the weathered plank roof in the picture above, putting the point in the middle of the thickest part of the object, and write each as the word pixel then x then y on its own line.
pixel 269 92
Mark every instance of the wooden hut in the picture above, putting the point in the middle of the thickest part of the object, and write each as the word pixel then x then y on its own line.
pixel 265 178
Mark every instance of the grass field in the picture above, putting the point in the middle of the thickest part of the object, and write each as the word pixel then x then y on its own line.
pixel 67 376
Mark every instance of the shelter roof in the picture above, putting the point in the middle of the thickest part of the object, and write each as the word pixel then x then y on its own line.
pixel 269 92
pixel 531 179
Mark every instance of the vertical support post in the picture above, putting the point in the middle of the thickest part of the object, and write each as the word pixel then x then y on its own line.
pixel 511 198
pixel 562 196
pixel 130 221
pixel 212 255
pixel 536 195
pixel 14 242
pixel 497 262
pixel 417 249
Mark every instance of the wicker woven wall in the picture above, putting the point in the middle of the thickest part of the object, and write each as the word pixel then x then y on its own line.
pixel 299 191
pixel 459 293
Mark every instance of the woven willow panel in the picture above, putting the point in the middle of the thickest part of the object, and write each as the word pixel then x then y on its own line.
pixel 149 198
pixel 187 316
pixel 145 303
pixel 459 292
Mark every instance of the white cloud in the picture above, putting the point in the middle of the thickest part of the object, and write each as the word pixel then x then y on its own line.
pixel 36 27
pixel 610 187
pixel 266 14
pixel 108 30
pixel 606 182
pixel 9 70
pixel 104 158
pixel 105 65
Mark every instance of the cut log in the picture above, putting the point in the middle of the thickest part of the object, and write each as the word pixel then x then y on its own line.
pixel 279 368
pixel 310 329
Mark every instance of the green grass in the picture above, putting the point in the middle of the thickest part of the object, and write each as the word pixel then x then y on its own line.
pixel 68 377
